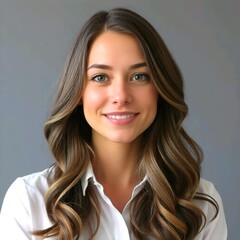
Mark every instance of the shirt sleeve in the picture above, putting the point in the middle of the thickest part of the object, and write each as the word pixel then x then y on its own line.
pixel 217 228
pixel 15 213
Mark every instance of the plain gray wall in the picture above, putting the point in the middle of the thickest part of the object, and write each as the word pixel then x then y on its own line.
pixel 204 37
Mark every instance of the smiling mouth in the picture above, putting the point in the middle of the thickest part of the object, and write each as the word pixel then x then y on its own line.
pixel 121 117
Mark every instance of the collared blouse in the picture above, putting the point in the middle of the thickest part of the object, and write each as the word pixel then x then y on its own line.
pixel 23 210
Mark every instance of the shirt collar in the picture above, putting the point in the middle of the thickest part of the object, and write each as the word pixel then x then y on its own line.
pixel 86 177
pixel 139 187
pixel 89 175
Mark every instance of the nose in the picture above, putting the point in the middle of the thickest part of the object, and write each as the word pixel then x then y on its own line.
pixel 120 93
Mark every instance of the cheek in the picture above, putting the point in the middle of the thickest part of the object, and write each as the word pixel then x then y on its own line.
pixel 149 97
pixel 151 101
pixel 91 98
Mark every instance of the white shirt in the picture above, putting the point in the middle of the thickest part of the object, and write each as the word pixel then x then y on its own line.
pixel 23 210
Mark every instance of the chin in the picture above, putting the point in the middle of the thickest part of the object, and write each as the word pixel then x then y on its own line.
pixel 122 140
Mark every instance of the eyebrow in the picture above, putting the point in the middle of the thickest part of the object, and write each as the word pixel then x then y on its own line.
pixel 107 67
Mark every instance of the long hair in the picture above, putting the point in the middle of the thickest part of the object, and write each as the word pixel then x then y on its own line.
pixel 170 158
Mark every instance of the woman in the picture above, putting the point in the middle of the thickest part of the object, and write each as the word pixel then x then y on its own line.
pixel 125 168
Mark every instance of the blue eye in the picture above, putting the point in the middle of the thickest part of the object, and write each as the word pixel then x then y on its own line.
pixel 140 77
pixel 99 78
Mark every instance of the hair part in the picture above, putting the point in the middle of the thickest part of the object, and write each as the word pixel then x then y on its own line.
pixel 170 159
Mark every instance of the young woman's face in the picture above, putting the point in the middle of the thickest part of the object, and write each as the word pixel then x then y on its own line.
pixel 119 100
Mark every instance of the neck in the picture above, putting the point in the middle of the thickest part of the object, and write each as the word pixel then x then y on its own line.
pixel 116 163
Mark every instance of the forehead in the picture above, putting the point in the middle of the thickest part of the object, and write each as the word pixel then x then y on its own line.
pixel 111 45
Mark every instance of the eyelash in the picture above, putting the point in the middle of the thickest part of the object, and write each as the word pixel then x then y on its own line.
pixel 94 78
pixel 144 77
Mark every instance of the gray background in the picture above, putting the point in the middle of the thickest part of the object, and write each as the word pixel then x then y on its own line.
pixel 204 37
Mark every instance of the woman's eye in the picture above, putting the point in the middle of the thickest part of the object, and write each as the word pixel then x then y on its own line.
pixel 141 77
pixel 99 78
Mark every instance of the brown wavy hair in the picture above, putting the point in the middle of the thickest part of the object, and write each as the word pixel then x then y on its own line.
pixel 170 158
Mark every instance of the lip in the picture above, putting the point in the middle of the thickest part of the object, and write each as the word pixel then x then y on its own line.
pixel 121 117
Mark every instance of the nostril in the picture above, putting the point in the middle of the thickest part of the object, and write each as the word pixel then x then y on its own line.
pixel 121 101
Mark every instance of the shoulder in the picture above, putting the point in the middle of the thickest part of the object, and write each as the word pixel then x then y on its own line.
pixel 23 207
pixel 35 182
pixel 207 190
pixel 206 187
pixel 213 210
pixel 27 189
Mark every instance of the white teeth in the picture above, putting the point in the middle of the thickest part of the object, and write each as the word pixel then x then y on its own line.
pixel 118 117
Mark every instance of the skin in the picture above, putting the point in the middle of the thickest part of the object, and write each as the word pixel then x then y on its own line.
pixel 120 103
